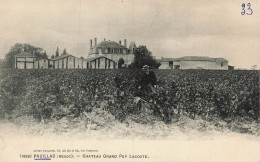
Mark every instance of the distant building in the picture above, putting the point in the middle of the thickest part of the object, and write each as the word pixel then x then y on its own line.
pixel 41 64
pixel 67 61
pixel 193 62
pixel 24 60
pixel 105 55
pixel 111 52
pixel 231 67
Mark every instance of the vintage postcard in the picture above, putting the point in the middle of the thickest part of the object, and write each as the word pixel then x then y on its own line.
pixel 129 80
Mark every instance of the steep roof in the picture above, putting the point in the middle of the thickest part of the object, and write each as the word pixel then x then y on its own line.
pixel 195 58
pixel 24 54
pixel 110 44
pixel 62 56
pixel 165 59
pixel 132 46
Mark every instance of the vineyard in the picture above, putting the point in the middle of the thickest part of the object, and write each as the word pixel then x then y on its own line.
pixel 57 94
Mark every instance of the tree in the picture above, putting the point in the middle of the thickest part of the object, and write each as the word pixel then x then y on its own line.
pixel 45 54
pixel 18 48
pixel 64 52
pixel 2 63
pixel 254 67
pixel 121 61
pixel 57 52
pixel 144 57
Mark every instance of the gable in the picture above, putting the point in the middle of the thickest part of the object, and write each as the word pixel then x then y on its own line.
pixel 100 58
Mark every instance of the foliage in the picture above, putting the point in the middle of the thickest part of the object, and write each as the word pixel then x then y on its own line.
pixel 144 57
pixel 208 94
pixel 18 47
pixel 64 52
pixel 57 52
pixel 2 63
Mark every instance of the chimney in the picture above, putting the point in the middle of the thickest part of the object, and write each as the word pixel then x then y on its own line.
pixel 90 43
pixel 125 43
pixel 95 39
pixel 104 39
pixel 120 42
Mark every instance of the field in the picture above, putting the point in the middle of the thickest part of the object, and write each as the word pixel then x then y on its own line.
pixel 76 101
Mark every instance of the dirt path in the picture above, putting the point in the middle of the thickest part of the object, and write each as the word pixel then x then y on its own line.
pixel 187 145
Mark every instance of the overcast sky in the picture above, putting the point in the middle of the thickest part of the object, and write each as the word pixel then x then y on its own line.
pixel 213 28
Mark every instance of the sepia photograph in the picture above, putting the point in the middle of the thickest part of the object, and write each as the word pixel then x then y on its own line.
pixel 130 80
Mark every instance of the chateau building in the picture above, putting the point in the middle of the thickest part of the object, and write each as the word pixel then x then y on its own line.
pixel 110 54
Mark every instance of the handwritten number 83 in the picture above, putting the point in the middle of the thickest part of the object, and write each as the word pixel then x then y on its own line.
pixel 249 10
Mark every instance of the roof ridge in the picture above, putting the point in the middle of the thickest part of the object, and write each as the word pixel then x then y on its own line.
pixel 192 58
pixel 110 43
pixel 61 56
pixel 23 53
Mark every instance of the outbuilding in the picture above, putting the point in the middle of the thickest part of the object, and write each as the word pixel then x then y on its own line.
pixel 101 63
pixel 194 62
pixel 66 61
pixel 24 60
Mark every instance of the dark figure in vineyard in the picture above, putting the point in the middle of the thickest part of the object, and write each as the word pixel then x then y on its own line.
pixel 145 84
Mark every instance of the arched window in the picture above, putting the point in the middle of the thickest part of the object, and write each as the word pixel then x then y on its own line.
pixel 121 61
